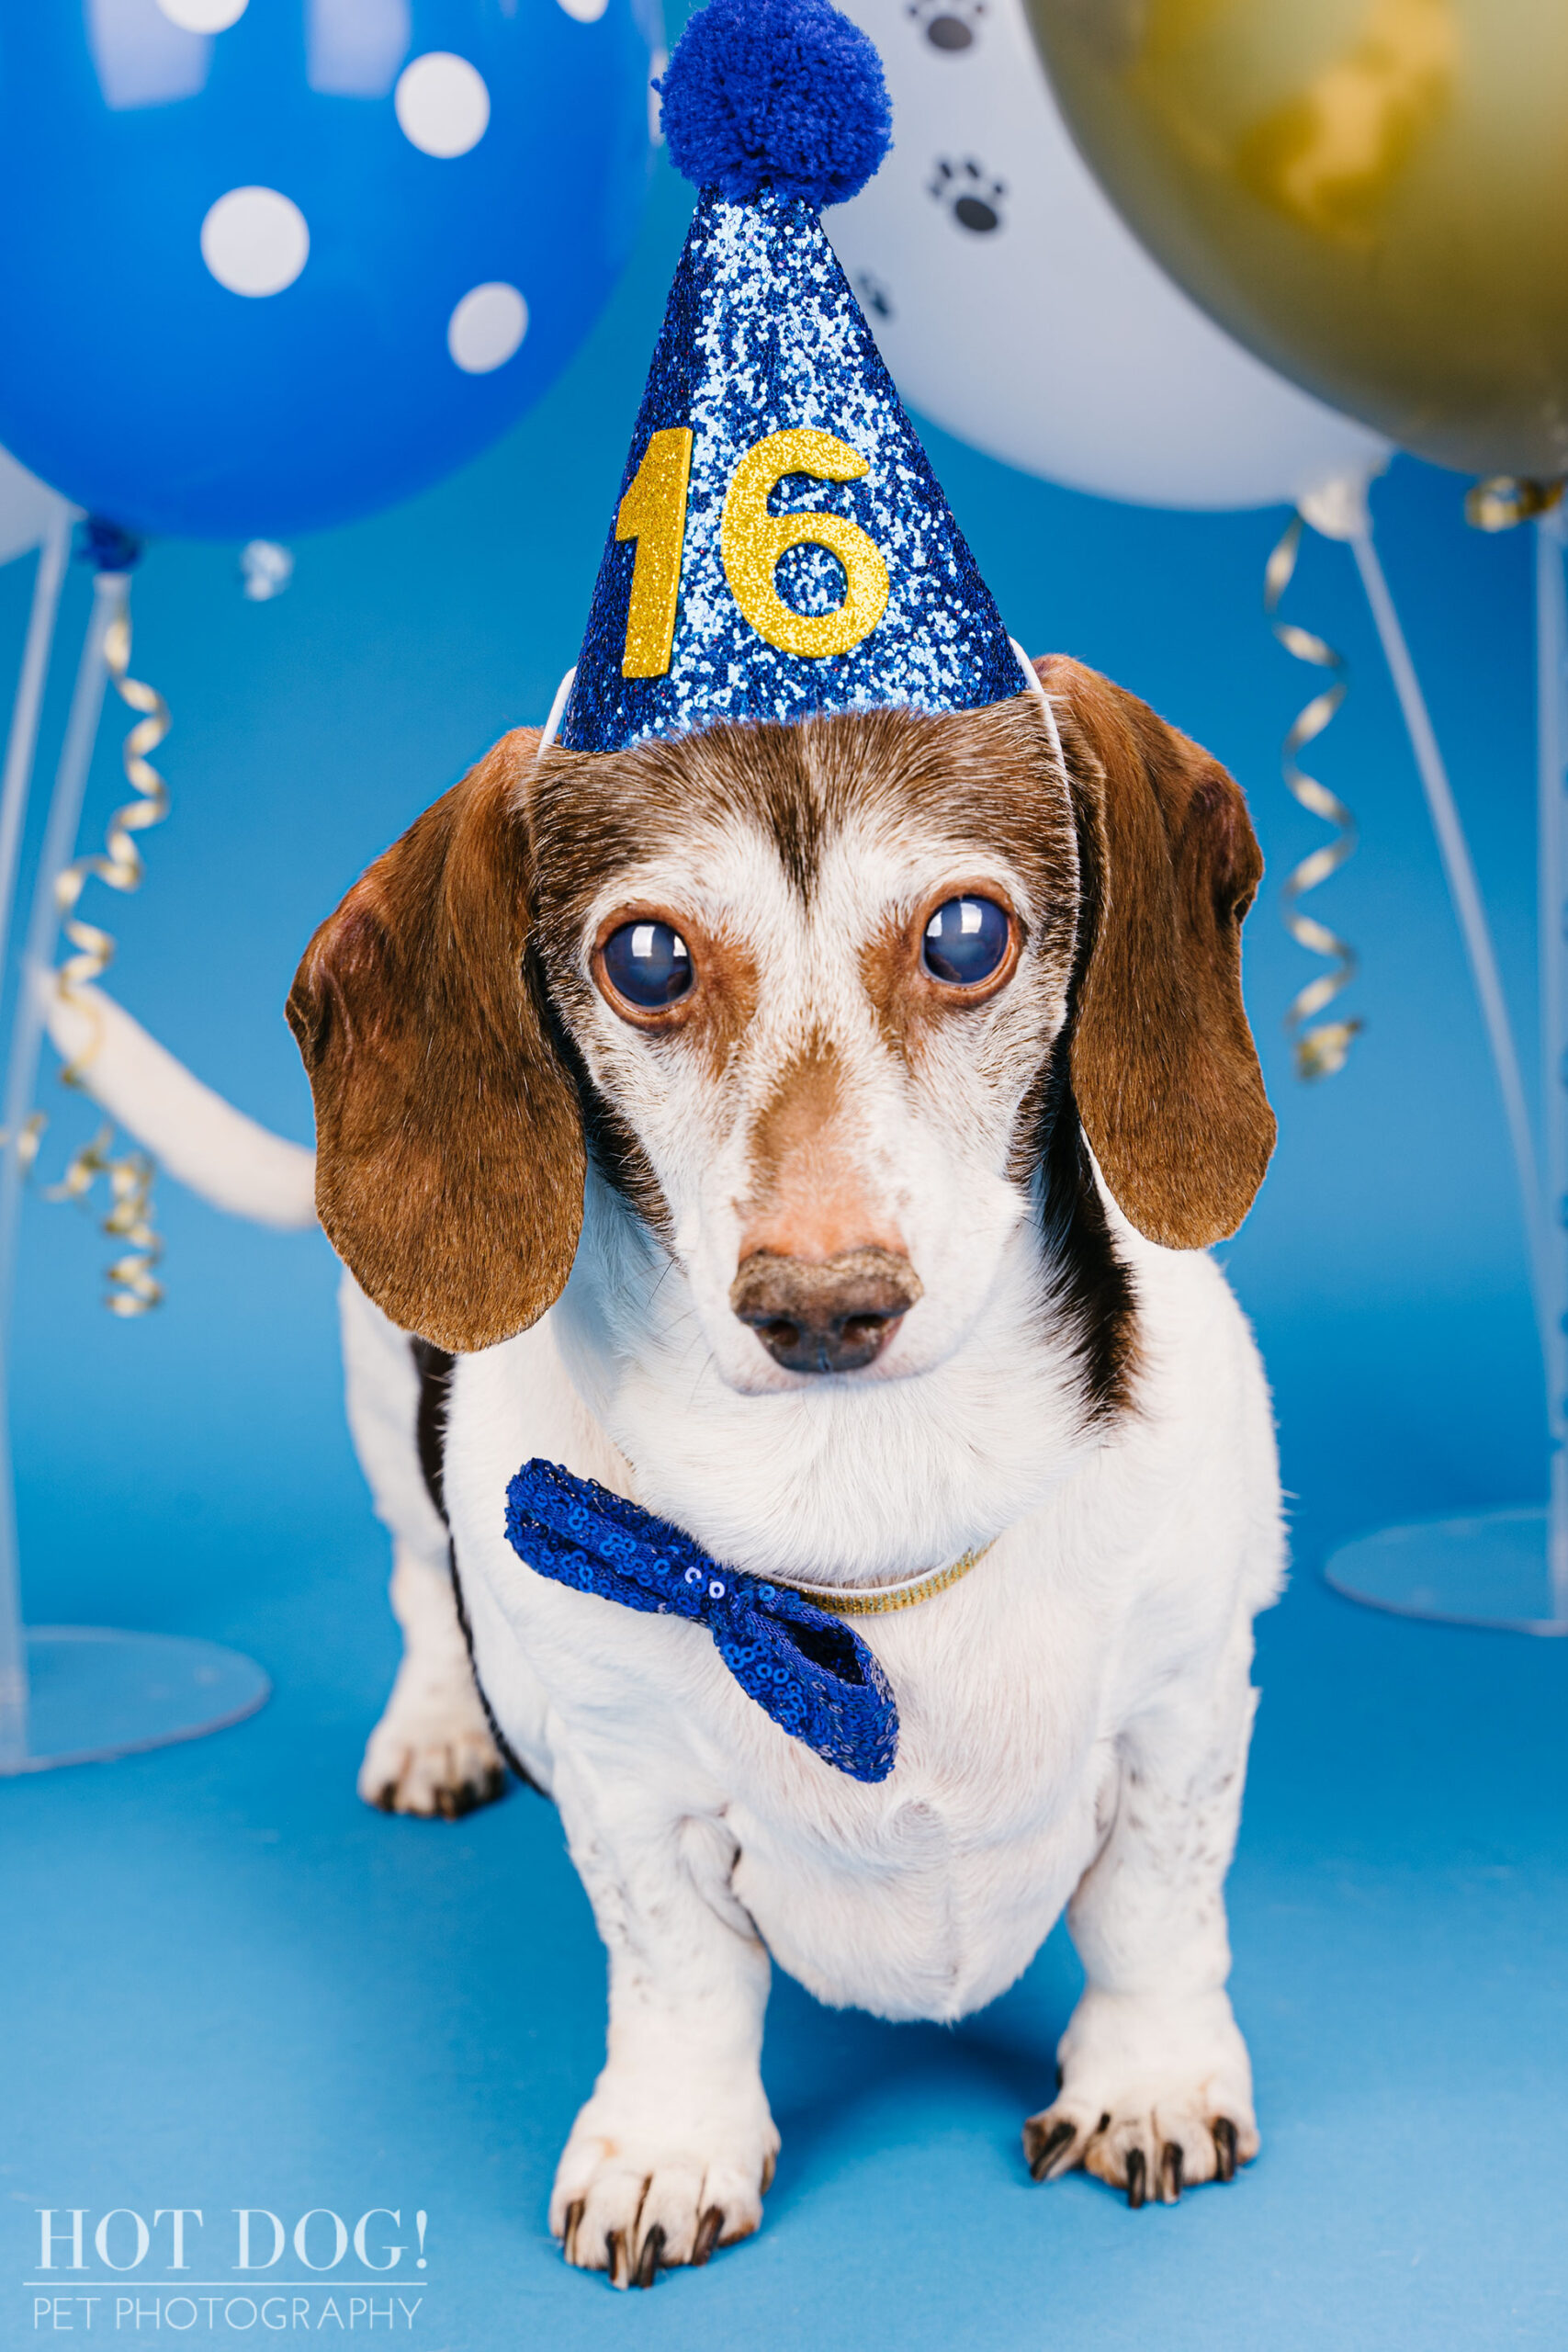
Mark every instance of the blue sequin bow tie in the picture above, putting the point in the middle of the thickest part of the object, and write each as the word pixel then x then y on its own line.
pixel 814 1676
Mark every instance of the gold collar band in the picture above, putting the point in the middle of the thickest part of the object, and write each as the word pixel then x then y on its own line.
pixel 876 1599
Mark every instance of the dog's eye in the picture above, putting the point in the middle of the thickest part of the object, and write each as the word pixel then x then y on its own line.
pixel 965 940
pixel 649 964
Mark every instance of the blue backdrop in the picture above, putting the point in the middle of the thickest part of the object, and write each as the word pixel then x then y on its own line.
pixel 230 1985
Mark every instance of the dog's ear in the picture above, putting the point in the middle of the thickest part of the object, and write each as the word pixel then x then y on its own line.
pixel 1164 1067
pixel 449 1144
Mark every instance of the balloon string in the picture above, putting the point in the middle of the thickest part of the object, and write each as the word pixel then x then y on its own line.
pixel 118 863
pixel 1322 1048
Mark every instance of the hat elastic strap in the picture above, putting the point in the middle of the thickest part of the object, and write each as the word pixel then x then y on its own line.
pixel 1032 676
pixel 558 712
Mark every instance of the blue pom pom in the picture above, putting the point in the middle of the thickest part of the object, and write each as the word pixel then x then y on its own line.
pixel 785 94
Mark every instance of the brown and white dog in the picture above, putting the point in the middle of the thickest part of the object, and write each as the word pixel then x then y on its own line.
pixel 847 1269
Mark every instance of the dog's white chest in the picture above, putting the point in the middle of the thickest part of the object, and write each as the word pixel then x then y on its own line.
pixel 926 1918
pixel 927 1896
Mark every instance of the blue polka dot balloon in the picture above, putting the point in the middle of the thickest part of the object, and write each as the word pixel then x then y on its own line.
pixel 269 265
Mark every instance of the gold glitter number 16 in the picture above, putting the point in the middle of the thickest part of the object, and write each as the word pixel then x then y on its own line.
pixel 653 512
pixel 751 540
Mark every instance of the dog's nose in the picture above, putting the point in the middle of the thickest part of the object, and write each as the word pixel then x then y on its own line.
pixel 824 1315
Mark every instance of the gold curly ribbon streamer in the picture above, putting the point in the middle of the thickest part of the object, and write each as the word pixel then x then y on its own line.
pixel 1503 502
pixel 30 1135
pixel 129 1219
pixel 1323 1049
pixel 119 864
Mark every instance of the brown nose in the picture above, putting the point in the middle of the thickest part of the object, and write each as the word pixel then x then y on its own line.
pixel 824 1315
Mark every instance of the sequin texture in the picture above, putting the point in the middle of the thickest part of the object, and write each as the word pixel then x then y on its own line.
pixel 763 334
pixel 815 1676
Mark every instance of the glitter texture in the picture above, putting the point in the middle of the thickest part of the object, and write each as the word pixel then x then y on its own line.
pixel 815 1676
pixel 752 541
pixel 763 334
pixel 653 512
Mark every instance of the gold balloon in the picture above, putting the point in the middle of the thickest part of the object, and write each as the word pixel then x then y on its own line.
pixel 1372 195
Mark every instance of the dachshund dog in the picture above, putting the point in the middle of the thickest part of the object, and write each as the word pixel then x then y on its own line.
pixel 813 1135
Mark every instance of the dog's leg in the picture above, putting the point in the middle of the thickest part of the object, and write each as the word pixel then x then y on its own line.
pixel 431 1752
pixel 1155 2083
pixel 673 2152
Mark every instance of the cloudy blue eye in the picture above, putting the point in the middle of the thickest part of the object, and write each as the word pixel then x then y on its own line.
pixel 965 940
pixel 649 964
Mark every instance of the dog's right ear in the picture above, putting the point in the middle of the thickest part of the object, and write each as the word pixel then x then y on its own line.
pixel 449 1147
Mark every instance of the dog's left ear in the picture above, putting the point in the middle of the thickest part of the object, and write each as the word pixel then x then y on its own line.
pixel 1164 1069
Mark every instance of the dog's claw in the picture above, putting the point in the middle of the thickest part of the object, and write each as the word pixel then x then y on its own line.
pixel 708 2229
pixel 569 2235
pixel 615 2261
pixel 648 2260
pixel 1224 2132
pixel 456 1803
pixel 1041 2148
pixel 1152 2158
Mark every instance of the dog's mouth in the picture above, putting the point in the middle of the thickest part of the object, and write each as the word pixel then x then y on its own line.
pixel 832 1315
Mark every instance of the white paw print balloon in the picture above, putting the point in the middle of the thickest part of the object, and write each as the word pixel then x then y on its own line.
pixel 272 264
pixel 1013 307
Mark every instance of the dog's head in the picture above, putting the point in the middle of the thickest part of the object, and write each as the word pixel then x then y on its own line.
pixel 830 1006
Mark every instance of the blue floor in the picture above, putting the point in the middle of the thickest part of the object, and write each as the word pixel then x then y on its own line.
pixel 228 1984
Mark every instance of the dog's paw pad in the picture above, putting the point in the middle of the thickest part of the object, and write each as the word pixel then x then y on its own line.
pixel 969 191
pixel 951 26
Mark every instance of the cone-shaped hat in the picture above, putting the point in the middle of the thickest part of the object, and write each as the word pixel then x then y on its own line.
pixel 780 545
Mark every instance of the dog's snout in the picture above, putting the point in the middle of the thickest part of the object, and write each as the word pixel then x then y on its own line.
pixel 828 1315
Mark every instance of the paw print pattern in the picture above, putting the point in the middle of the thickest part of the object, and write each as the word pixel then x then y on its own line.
pixel 967 190
pixel 951 26
pixel 874 298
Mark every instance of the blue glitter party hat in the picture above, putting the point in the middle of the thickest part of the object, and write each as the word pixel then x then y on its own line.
pixel 780 545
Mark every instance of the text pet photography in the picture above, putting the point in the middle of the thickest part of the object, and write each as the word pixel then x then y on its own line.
pixel 121 2269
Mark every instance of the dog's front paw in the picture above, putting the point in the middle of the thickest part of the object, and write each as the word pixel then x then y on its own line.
pixel 431 1763
pixel 643 2187
pixel 1155 2097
